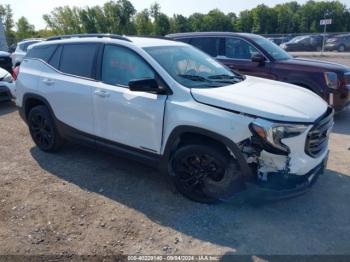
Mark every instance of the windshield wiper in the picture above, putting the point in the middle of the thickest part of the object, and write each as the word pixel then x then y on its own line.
pixel 195 78
pixel 225 77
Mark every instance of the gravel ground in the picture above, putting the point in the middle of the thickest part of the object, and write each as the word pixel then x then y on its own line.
pixel 81 201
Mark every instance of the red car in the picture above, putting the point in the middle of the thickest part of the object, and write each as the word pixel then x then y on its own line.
pixel 257 56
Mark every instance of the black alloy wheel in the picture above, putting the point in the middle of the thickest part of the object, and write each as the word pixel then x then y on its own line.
pixel 205 173
pixel 42 129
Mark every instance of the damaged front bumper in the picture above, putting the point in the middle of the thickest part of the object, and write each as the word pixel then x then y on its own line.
pixel 281 186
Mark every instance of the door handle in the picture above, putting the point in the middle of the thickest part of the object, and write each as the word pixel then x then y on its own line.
pixel 48 81
pixel 102 93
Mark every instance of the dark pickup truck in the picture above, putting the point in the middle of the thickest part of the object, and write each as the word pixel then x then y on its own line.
pixel 257 56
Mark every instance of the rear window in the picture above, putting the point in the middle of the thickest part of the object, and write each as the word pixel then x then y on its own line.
pixel 78 59
pixel 42 52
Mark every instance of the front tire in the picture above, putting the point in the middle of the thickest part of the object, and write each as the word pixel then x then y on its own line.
pixel 43 130
pixel 341 48
pixel 205 173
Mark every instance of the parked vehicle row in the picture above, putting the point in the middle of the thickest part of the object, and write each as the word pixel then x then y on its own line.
pixel 213 130
pixel 304 43
pixel 7 86
pixel 338 43
pixel 254 55
pixel 21 50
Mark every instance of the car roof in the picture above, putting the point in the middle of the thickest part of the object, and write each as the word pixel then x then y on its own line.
pixel 140 42
pixel 30 40
pixel 198 34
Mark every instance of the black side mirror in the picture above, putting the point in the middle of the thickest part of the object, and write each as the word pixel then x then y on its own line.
pixel 149 85
pixel 258 58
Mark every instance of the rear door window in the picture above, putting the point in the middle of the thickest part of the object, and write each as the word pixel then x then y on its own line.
pixel 210 45
pixel 78 59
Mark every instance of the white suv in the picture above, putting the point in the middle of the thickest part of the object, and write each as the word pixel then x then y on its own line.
pixel 215 132
pixel 21 50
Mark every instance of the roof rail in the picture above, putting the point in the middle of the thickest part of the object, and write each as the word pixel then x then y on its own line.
pixel 113 36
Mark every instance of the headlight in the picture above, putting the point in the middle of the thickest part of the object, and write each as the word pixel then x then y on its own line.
pixel 331 80
pixel 273 133
pixel 7 78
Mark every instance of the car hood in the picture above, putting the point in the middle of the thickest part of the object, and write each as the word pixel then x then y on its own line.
pixel 315 65
pixel 265 98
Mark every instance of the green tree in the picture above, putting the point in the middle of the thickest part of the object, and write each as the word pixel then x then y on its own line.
pixel 24 29
pixel 64 20
pixel 143 22
pixel 245 21
pixel 179 23
pixel 196 22
pixel 216 20
pixel 161 25
pixel 264 19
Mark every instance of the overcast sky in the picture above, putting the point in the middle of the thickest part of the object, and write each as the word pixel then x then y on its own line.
pixel 33 10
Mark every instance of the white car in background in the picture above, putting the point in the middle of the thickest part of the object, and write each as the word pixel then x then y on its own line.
pixel 167 104
pixel 7 86
pixel 21 50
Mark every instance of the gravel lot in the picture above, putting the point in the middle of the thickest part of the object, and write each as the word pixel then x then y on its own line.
pixel 84 202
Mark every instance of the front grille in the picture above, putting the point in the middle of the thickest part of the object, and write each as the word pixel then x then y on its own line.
pixel 317 138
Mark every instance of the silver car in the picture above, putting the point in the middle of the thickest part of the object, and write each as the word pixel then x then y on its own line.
pixel 21 50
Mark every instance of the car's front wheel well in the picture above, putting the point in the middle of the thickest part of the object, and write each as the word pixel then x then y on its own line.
pixel 189 138
pixel 30 103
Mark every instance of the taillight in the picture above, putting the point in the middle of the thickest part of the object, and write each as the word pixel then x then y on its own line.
pixel 15 72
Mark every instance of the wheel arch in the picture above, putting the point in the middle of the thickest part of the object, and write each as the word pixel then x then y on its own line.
pixel 180 133
pixel 31 100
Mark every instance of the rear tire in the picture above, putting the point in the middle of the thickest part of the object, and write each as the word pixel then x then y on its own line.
pixel 205 174
pixel 43 130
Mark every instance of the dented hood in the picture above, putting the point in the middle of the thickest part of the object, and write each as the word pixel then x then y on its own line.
pixel 265 98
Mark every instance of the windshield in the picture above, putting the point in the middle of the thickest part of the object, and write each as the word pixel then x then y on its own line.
pixel 272 49
pixel 191 67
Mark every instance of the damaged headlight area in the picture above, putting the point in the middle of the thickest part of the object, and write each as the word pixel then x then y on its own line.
pixel 269 135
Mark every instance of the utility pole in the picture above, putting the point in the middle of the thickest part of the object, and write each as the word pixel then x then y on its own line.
pixel 325 22
pixel 3 42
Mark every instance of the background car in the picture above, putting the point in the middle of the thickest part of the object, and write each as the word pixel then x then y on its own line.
pixel 7 86
pixel 5 61
pixel 280 40
pixel 21 50
pixel 255 55
pixel 338 43
pixel 304 43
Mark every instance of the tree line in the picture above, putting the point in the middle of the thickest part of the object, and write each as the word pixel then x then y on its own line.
pixel 121 17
